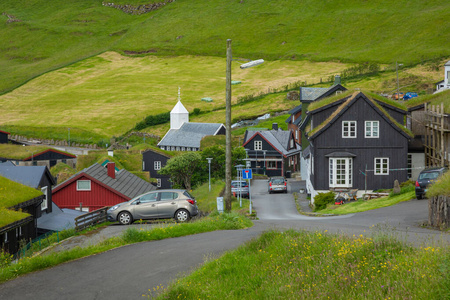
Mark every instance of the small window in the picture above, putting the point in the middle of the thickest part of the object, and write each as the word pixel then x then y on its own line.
pixel 271 164
pixel 44 204
pixel 6 237
pixel 381 166
pixel 183 148
pixel 158 182
pixel 349 129
pixel 150 197
pixel 168 196
pixel 178 148
pixel 372 129
pixel 83 185
pixel 258 145
pixel 162 148
pixel 157 165
pixel 188 148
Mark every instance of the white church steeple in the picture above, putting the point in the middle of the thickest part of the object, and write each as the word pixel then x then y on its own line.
pixel 179 114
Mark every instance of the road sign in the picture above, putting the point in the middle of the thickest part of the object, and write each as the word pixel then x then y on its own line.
pixel 247 174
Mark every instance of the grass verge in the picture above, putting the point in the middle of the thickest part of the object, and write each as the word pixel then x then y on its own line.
pixel 317 265
pixel 364 205
pixel 132 235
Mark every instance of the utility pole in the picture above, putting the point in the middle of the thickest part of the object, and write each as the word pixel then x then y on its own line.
pixel 227 194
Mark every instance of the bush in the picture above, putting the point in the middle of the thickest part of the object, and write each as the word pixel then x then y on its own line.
pixel 322 199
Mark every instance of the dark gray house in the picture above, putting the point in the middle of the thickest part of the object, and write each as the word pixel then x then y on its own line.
pixel 273 152
pixel 355 135
pixel 4 137
pixel 152 162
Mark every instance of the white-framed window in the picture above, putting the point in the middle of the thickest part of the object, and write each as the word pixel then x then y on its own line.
pixel 381 166
pixel 162 147
pixel 83 185
pixel 158 182
pixel 6 237
pixel 85 209
pixel 292 143
pixel 409 166
pixel 271 164
pixel 372 129
pixel 178 148
pixel 44 204
pixel 157 165
pixel 183 148
pixel 188 149
pixel 296 134
pixel 349 129
pixel 258 145
pixel 340 172
pixel 143 165
pixel 292 119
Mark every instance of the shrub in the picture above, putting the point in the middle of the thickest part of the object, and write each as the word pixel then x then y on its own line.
pixel 322 199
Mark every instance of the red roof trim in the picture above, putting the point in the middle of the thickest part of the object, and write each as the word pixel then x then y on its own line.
pixel 70 181
pixel 49 150
pixel 258 133
pixel 4 132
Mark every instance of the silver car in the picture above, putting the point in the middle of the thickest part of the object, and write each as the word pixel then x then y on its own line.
pixel 240 188
pixel 160 204
pixel 277 184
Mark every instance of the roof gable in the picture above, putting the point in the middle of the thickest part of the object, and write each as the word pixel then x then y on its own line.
pixel 27 175
pixel 345 106
pixel 278 139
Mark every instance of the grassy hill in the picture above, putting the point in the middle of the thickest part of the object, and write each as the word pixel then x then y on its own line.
pixel 39 36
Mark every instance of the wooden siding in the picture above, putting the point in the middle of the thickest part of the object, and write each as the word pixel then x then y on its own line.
pixel 97 197
pixel 3 138
pixel 391 144
pixel 149 158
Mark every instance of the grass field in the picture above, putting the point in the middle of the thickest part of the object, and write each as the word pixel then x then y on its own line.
pixel 57 33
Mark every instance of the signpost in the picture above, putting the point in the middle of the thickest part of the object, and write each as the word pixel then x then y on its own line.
pixel 247 174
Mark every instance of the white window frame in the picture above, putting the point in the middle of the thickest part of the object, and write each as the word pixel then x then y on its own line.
pixel 157 165
pixel 258 145
pixel 83 189
pixel 369 129
pixel 271 165
pixel 343 164
pixel 6 237
pixel 158 182
pixel 44 204
pixel 379 168
pixel 347 133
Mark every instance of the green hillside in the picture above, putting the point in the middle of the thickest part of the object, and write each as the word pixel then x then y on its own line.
pixel 39 35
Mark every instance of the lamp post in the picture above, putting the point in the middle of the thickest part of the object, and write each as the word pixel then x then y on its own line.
pixel 228 166
pixel 239 178
pixel 264 151
pixel 209 164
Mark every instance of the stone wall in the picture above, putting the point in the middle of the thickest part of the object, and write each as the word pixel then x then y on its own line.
pixel 137 9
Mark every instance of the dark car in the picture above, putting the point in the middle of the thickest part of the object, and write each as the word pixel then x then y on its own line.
pixel 277 184
pixel 427 177
pixel 161 204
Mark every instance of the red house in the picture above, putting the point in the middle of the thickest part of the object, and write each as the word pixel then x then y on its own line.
pixel 98 186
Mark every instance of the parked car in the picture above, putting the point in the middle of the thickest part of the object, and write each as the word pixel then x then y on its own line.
pixel 427 177
pixel 277 184
pixel 161 204
pixel 397 96
pixel 410 95
pixel 240 186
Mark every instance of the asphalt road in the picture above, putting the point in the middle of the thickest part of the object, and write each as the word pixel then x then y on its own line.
pixel 129 272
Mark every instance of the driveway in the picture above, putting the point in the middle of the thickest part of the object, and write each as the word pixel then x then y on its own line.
pixel 129 272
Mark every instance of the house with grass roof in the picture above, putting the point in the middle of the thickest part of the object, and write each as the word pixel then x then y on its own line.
pixel 356 141
pixel 35 155
pixel 19 206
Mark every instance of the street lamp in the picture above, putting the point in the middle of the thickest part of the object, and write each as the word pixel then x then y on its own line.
pixel 209 164
pixel 228 166
pixel 264 151
pixel 239 176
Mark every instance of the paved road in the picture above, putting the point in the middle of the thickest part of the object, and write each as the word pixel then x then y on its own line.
pixel 129 272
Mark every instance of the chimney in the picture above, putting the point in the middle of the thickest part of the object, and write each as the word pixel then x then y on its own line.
pixel 274 126
pixel 337 80
pixel 111 170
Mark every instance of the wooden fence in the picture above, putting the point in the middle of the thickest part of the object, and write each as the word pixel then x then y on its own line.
pixel 439 211
pixel 91 218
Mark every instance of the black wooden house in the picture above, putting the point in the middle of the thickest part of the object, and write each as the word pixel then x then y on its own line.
pixel 152 162
pixel 356 142
pixel 4 137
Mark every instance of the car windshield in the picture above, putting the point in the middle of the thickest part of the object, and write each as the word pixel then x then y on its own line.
pixel 236 183
pixel 430 175
pixel 278 181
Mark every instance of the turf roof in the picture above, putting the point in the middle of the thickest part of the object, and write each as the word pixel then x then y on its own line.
pixel 22 152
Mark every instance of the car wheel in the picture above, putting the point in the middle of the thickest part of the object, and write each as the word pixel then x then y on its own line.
pixel 125 218
pixel 270 192
pixel 182 215
pixel 419 197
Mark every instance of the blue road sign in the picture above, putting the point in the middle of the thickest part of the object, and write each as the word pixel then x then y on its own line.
pixel 247 174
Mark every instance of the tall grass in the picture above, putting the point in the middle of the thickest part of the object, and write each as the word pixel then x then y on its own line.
pixel 318 265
